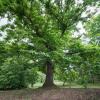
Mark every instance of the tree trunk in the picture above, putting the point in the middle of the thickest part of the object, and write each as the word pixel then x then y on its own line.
pixel 49 75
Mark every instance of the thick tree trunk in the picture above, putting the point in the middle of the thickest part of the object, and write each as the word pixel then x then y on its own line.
pixel 49 75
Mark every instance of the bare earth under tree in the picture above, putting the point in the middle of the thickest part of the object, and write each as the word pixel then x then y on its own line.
pixel 51 94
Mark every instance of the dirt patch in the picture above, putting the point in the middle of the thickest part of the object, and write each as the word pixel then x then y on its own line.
pixel 51 94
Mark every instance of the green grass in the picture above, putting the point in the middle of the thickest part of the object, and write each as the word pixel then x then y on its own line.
pixel 67 85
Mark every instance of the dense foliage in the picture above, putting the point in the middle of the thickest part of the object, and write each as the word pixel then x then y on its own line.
pixel 40 38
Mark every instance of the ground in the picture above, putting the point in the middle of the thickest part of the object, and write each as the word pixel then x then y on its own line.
pixel 51 94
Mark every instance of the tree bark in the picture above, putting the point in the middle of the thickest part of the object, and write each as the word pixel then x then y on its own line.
pixel 49 74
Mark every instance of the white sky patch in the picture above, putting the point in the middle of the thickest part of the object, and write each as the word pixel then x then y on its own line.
pixel 85 40
pixel 81 33
pixel 80 27
pixel 90 10
pixel 26 40
pixel 80 30
pixel 3 21
pixel 2 35
pixel 79 1
pixel 98 11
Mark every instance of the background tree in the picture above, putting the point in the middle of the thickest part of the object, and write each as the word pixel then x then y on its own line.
pixel 93 31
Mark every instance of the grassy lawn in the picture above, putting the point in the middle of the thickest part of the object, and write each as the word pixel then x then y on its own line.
pixel 67 85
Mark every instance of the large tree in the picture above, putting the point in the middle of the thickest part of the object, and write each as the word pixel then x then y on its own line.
pixel 41 29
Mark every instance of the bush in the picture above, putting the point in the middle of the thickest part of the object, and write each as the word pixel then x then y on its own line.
pixel 31 76
pixel 67 75
pixel 15 75
pixel 12 75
